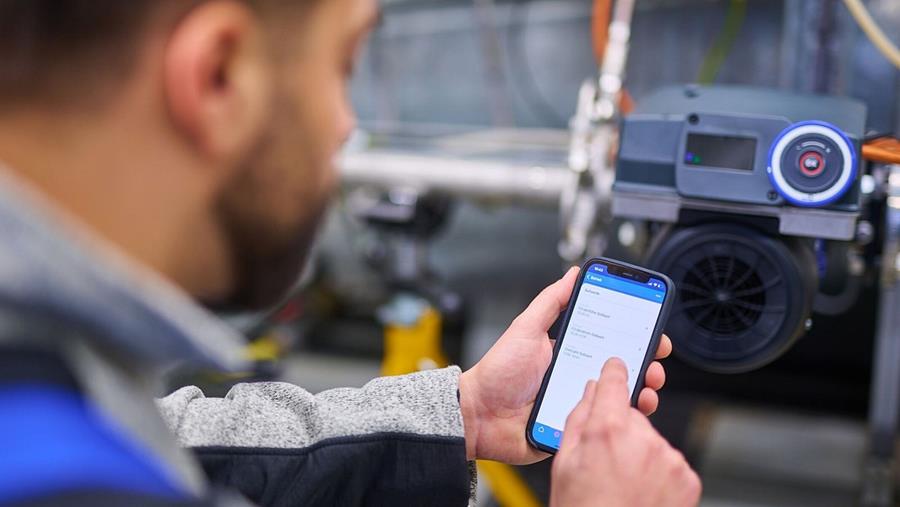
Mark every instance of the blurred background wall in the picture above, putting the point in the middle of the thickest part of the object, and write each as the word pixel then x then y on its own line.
pixel 520 63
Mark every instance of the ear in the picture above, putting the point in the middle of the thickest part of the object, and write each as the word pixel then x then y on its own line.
pixel 217 79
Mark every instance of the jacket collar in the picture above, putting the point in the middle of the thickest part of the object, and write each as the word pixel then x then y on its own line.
pixel 53 267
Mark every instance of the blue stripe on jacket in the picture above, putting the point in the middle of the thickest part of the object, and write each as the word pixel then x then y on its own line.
pixel 52 441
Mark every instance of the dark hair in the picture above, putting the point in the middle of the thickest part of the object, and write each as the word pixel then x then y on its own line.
pixel 51 44
pixel 52 48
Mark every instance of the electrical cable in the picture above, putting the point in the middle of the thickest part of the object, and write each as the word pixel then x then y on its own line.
pixel 884 150
pixel 875 34
pixel 601 16
pixel 718 53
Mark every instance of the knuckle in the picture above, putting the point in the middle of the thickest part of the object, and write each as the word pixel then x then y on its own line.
pixel 638 419
pixel 596 433
pixel 667 460
pixel 575 415
pixel 658 447
pixel 518 321
pixel 545 296
pixel 613 426
pixel 656 454
pixel 693 487
pixel 606 428
pixel 677 463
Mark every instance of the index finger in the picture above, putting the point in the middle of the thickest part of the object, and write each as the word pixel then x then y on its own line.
pixel 665 348
pixel 578 418
pixel 612 389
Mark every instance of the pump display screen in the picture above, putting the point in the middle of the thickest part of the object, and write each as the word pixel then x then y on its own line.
pixel 612 317
pixel 724 152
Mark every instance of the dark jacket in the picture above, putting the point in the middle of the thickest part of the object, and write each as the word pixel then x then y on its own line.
pixel 85 335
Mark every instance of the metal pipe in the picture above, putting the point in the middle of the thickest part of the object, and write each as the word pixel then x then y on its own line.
pixel 492 180
pixel 884 395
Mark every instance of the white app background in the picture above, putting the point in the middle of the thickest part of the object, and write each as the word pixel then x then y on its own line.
pixel 604 324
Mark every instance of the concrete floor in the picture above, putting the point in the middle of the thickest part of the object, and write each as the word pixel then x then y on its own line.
pixel 756 458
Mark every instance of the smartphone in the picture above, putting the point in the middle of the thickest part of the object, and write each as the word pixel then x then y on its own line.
pixel 616 310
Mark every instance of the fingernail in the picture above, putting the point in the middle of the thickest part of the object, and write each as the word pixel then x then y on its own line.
pixel 614 362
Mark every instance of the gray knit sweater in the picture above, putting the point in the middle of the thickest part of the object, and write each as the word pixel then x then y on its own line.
pixel 118 327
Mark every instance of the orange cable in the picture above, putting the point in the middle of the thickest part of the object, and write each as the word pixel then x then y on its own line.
pixel 885 150
pixel 600 19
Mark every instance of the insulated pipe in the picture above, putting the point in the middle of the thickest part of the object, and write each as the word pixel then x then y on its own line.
pixel 490 180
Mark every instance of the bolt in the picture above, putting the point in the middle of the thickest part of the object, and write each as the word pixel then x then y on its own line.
pixel 772 195
pixel 808 325
pixel 865 232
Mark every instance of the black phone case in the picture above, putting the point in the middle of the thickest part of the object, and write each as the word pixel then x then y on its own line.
pixel 648 358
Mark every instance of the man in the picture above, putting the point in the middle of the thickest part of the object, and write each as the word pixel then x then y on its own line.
pixel 161 152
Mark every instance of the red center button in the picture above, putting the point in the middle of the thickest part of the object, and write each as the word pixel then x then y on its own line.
pixel 812 164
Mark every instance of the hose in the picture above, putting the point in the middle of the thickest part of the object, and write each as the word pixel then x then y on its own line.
pixel 718 53
pixel 873 31
pixel 600 18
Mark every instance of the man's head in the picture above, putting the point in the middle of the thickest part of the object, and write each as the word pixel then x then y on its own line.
pixel 199 135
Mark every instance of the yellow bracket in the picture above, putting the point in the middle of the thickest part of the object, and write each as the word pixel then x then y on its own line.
pixel 507 486
pixel 266 348
pixel 417 347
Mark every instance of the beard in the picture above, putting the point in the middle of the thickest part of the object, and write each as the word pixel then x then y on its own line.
pixel 268 251
pixel 267 261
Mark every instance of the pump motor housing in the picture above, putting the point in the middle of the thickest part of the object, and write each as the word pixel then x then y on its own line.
pixel 747 191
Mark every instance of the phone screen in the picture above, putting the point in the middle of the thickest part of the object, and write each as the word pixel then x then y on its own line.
pixel 612 317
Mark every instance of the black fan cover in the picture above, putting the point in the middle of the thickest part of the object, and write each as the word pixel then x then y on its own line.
pixel 743 296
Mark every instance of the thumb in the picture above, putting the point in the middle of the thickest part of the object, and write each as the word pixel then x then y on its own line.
pixel 546 307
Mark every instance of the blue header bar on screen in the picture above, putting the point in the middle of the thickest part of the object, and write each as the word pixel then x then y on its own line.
pixel 653 290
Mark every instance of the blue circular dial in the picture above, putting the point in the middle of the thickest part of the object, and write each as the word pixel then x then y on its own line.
pixel 812 164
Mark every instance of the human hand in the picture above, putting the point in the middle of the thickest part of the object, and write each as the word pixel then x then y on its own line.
pixel 498 393
pixel 611 456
